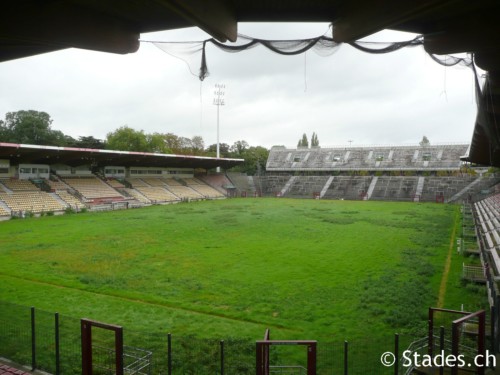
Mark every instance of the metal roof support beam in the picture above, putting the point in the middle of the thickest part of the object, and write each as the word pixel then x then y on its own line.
pixel 361 18
pixel 217 18
pixel 479 32
pixel 62 25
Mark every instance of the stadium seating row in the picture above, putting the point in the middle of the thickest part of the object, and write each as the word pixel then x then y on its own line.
pixel 408 188
pixel 134 193
pixel 156 188
pixel 14 184
pixel 92 188
pixel 431 157
pixel 488 222
pixel 71 200
pixel 4 212
pixel 115 184
pixel 57 185
pixel 157 194
pixel 23 195
pixel 32 201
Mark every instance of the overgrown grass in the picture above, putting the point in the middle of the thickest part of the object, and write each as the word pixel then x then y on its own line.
pixel 307 269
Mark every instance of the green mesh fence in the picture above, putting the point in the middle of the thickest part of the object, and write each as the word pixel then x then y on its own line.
pixel 15 333
pixel 148 353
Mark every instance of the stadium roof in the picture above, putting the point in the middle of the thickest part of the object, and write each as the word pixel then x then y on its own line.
pixel 31 27
pixel 34 154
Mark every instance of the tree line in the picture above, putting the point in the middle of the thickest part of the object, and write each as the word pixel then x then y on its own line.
pixel 304 142
pixel 34 127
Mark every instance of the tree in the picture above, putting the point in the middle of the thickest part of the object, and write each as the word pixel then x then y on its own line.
pixel 238 148
pixel 185 146
pixel 314 140
pixel 172 142
pixel 30 127
pixel 303 142
pixel 255 160
pixel 89 142
pixel 127 139
pixel 3 132
pixel 197 145
pixel 156 143
pixel 424 142
pixel 223 150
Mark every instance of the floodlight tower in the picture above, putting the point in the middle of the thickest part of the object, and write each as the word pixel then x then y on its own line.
pixel 218 101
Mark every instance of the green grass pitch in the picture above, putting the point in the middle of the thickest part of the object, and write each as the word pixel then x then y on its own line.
pixel 306 269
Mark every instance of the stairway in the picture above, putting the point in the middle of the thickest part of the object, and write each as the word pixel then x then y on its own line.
pixel 371 188
pixel 287 186
pixel 420 188
pixel 464 190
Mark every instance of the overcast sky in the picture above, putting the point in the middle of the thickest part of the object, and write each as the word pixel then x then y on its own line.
pixel 270 99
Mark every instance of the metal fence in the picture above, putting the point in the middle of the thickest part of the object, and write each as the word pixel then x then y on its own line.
pixel 491 283
pixel 51 342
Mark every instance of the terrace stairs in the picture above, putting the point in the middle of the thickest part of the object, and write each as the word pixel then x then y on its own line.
pixel 464 190
pixel 371 188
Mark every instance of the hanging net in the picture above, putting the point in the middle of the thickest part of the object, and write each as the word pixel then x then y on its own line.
pixel 194 53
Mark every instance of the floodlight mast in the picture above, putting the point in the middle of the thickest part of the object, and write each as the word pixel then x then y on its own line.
pixel 218 101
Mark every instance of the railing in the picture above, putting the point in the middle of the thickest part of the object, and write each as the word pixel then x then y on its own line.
pixel 52 343
pixel 418 346
pixel 288 370
pixel 473 273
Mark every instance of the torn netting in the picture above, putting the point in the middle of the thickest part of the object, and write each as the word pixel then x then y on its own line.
pixel 194 53
pixel 186 51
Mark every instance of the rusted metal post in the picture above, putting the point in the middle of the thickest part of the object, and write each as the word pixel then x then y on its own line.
pixel 86 332
pixel 169 354
pixel 492 328
pixel 221 357
pixel 119 351
pixel 455 337
pixel 346 358
pixel 58 354
pixel 258 359
pixel 33 340
pixel 431 333
pixel 497 324
pixel 266 348
pixel 311 359
pixel 481 345
pixel 441 348
pixel 396 354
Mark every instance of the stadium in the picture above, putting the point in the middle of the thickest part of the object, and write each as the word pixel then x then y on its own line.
pixel 353 260
pixel 84 181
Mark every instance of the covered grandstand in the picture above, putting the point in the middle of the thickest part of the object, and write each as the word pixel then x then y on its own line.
pixel 32 27
pixel 37 180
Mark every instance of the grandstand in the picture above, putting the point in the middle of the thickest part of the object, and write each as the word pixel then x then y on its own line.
pixel 156 194
pixel 487 216
pixel 202 188
pixel 92 189
pixel 58 193
pixel 31 201
pixel 185 192
pixel 368 158
pixel 406 173
pixel 53 179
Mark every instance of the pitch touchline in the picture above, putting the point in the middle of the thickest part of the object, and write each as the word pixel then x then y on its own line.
pixel 162 305
pixel 447 265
